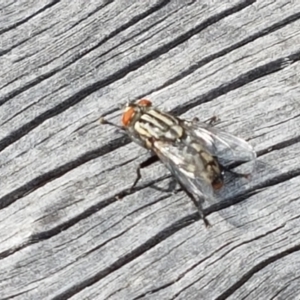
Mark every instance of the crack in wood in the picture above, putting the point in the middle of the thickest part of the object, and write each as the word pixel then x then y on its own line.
pixel 284 288
pixel 167 232
pixel 241 80
pixel 251 192
pixel 239 283
pixel 225 51
pixel 198 263
pixel 2 53
pixel 93 87
pixel 16 24
pixel 18 294
pixel 227 202
pixel 43 179
pixel 279 146
pixel 76 98
pixel 119 142
pixel 28 271
pixel 56 230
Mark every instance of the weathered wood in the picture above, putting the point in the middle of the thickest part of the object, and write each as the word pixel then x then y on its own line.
pixel 63 232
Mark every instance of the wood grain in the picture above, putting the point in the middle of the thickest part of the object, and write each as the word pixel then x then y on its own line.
pixel 64 234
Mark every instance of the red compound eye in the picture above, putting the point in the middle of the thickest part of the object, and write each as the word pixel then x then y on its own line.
pixel 128 115
pixel 144 102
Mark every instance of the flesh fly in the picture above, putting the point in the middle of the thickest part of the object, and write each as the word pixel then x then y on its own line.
pixel 192 151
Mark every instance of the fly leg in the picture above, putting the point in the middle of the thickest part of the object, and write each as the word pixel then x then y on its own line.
pixel 211 121
pixel 236 174
pixel 197 204
pixel 152 159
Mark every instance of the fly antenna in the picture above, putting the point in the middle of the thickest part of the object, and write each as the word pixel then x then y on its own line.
pixel 105 122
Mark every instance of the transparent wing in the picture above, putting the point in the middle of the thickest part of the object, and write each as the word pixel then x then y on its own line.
pixel 220 144
pixel 186 165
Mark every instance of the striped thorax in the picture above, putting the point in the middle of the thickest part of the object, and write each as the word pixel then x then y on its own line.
pixel 146 123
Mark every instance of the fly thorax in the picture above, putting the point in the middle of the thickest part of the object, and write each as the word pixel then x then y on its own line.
pixel 175 132
pixel 158 125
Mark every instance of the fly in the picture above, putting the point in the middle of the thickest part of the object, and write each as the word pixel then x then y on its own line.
pixel 192 151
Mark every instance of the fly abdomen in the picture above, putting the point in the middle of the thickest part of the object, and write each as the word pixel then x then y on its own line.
pixel 218 182
pixel 212 169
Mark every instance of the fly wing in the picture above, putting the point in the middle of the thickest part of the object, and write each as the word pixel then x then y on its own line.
pixel 220 144
pixel 185 163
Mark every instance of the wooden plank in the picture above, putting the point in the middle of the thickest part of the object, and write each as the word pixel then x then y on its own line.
pixel 63 232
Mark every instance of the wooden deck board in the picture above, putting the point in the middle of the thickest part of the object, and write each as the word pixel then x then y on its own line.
pixel 63 233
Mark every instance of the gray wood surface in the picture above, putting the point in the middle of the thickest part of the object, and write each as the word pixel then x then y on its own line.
pixel 63 232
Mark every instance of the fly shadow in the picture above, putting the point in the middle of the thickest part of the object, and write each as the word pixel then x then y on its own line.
pixel 237 187
pixel 238 190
